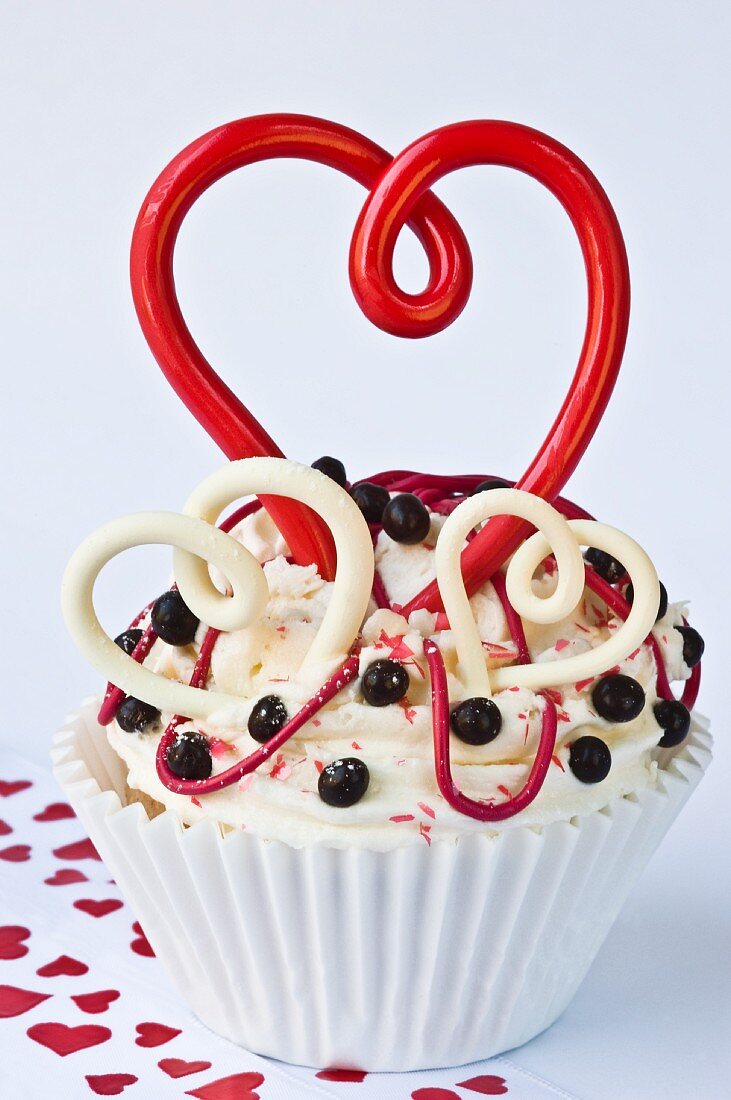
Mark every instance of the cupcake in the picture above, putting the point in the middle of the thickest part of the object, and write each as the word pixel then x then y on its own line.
pixel 375 810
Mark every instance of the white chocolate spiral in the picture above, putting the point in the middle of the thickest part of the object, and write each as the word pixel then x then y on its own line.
pixel 563 539
pixel 198 544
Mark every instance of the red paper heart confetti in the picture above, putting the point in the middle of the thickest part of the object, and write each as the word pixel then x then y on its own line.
pixel 11 941
pixel 110 1084
pixel 8 787
pixel 96 1002
pixel 5 829
pixel 240 1086
pixel 80 849
pixel 141 945
pixel 98 908
pixel 63 1040
pixel 178 1067
pixel 63 965
pixel 352 1076
pixel 65 876
pixel 487 1085
pixel 154 1035
pixel 14 1001
pixel 55 811
pixel 434 1094
pixel 16 853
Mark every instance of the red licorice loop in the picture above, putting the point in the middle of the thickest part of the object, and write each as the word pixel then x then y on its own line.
pixel 419 167
pixel 189 174
pixel 194 787
pixel 482 811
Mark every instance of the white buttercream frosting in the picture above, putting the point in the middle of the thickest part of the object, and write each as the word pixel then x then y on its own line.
pixel 402 804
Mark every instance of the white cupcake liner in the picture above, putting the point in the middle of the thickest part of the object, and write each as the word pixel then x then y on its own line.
pixel 417 958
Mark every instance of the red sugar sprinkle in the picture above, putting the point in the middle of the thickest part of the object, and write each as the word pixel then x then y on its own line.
pixel 316 722
pixel 355 745
pixel 402 817
pixel 281 630
pixel 319 766
pixel 563 716
pixel 504 790
pixel 562 643
pixel 281 770
pixel 442 622
pixel 426 809
pixel 558 763
pixel 409 712
pixel 633 656
pixel 424 831
pixel 581 684
pixel 555 696
pixel 218 747
pixel 400 651
pixel 196 802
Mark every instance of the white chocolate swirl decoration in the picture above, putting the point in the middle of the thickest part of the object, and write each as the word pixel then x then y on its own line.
pixel 562 538
pixel 197 544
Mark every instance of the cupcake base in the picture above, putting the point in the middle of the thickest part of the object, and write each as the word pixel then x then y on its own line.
pixel 384 961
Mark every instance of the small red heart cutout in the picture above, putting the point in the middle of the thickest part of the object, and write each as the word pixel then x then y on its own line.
pixel 55 811
pixel 65 876
pixel 109 1084
pixel 154 1035
pixel 98 908
pixel 487 1085
pixel 63 965
pixel 8 787
pixel 240 1086
pixel 434 1094
pixel 63 1040
pixel 96 1002
pixel 11 941
pixel 14 1001
pixel 16 853
pixel 177 1067
pixel 5 829
pixel 351 1076
pixel 141 946
pixel 80 849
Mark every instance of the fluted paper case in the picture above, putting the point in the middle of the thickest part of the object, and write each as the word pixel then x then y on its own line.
pixel 416 958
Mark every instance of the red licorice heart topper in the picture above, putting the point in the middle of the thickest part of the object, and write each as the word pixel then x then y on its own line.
pixel 399 194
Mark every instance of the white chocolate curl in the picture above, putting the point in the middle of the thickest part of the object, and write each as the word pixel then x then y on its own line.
pixel 198 544
pixel 562 538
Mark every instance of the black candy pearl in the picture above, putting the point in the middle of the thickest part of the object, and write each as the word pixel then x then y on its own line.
pixel 663 605
pixel 406 519
pixel 332 468
pixel 172 620
pixel 476 721
pixel 371 499
pixel 189 756
pixel 343 782
pixel 618 698
pixel 590 759
pixel 608 568
pixel 490 483
pixel 673 718
pixel 693 645
pixel 384 682
pixel 267 717
pixel 127 640
pixel 134 716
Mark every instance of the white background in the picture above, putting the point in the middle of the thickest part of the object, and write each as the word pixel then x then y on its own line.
pixel 98 97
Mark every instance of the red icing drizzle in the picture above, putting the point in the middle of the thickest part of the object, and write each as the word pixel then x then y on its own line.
pixel 441 494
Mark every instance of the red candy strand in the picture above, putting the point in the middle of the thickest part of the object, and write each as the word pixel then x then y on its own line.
pixel 189 174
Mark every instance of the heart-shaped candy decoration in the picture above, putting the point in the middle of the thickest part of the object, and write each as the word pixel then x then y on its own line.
pixel 400 194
